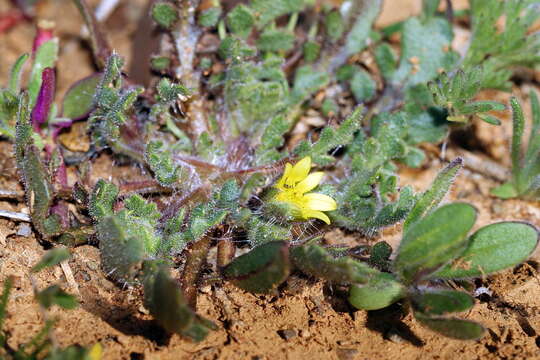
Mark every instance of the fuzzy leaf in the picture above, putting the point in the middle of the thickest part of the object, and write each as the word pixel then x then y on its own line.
pixel 316 261
pixel 362 86
pixel 16 73
pixel 53 295
pixel 161 162
pixel 164 299
pixel 121 252
pixel 454 328
pixel 165 14
pixel 381 291
pixel 209 17
pixel 330 139
pixel 261 270
pixel 492 248
pixel 79 99
pixel 435 194
pixel 435 240
pixel 424 51
pixel 51 258
pixel 366 12
pixel 102 199
pixel 441 301
pixel 269 10
pixel 240 20
pixel 505 191
pixel 275 40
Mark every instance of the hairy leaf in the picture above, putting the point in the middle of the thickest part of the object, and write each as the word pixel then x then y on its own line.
pixel 437 239
pixel 492 248
pixel 261 270
pixel 381 291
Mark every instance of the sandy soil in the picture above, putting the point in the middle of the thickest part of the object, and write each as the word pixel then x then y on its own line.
pixel 306 319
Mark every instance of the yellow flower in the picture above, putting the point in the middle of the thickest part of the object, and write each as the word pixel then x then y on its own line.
pixel 295 183
pixel 95 352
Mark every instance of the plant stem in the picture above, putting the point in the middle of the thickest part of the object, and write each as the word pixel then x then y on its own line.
pixel 100 46
pixel 225 252
pixel 196 254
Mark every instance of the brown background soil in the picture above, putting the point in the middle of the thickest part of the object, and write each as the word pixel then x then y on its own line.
pixel 319 325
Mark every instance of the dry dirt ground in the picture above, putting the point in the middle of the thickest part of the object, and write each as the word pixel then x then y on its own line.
pixel 305 321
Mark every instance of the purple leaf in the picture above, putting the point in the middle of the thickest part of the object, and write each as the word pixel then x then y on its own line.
pixel 40 112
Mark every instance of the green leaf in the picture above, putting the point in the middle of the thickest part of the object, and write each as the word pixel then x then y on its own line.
pixel 165 14
pixel 262 269
pixel 330 139
pixel 430 7
pixel 51 258
pixel 54 295
pixel 240 20
pixel 334 25
pixel 209 17
pixel 45 56
pixel 518 128
pixel 316 261
pixel 166 302
pixel 161 162
pixel 269 10
pixel 424 51
pixel 16 73
pixel 380 254
pixel 363 86
pixel 364 13
pixel 435 194
pixel 386 60
pixel 307 81
pixel 271 139
pixel 79 99
pixel 435 240
pixel 381 291
pixel 275 40
pixel 505 191
pixel 102 199
pixel 454 328
pixel 441 301
pixel 492 248
pixel 121 251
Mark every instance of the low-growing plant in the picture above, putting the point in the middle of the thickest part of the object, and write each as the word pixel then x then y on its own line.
pixel 525 180
pixel 216 143
pixel 43 345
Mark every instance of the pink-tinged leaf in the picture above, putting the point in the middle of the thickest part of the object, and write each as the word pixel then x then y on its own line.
pixel 44 33
pixel 62 210
pixel 40 112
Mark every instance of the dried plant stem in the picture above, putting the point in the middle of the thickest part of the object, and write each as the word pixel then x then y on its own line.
pixel 225 252
pixel 196 255
pixel 100 46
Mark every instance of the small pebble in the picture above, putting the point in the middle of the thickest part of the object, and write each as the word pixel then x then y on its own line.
pixel 206 289
pixel 305 333
pixel 346 354
pixel 24 230
pixel 287 334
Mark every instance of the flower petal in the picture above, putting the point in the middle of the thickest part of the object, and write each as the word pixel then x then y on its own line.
pixel 281 183
pixel 309 183
pixel 321 202
pixel 299 171
pixel 317 215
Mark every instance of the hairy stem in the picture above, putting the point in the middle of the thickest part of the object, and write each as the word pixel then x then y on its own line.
pixel 196 254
